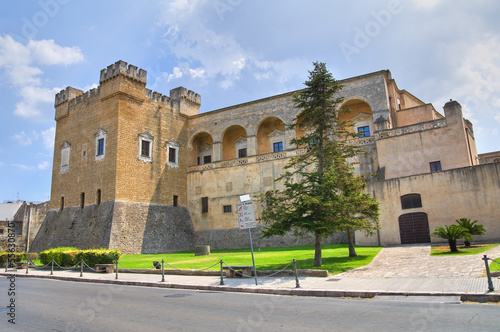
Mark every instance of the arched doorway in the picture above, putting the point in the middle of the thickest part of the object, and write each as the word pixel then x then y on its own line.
pixel 414 228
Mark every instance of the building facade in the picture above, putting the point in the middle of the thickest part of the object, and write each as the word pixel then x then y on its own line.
pixel 145 172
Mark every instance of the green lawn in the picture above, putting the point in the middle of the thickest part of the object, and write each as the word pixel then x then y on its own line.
pixel 335 258
pixel 442 250
pixel 494 266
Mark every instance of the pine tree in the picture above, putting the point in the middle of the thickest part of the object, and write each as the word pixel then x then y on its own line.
pixel 321 194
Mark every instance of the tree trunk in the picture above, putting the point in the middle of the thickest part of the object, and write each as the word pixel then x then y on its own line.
pixel 453 245
pixel 350 240
pixel 317 251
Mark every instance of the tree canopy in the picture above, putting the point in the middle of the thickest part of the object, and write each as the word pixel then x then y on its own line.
pixel 321 194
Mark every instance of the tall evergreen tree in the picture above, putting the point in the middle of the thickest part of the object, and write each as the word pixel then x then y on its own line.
pixel 321 194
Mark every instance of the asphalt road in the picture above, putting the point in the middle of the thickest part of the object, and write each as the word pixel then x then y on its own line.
pixel 51 305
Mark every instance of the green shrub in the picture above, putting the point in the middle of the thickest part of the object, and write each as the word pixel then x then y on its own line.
pixel 4 257
pixel 98 256
pixel 68 256
pixel 63 256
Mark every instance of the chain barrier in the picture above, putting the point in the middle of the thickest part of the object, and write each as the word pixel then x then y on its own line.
pixel 132 271
pixel 91 269
pixel 236 272
pixel 82 263
pixel 67 268
pixel 275 273
pixel 33 265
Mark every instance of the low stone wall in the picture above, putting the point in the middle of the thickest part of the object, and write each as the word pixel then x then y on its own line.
pixel 235 238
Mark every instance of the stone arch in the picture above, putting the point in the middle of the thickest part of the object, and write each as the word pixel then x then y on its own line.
pixel 360 114
pixel 233 139
pixel 270 129
pixel 201 147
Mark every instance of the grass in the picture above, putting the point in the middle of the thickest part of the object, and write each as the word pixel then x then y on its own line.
pixel 462 250
pixel 334 258
pixel 495 266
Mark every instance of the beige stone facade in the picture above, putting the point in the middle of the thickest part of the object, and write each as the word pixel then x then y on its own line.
pixel 154 161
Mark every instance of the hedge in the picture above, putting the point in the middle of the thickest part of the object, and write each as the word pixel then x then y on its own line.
pixel 4 257
pixel 98 256
pixel 68 256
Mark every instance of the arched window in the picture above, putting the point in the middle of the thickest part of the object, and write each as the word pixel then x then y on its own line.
pixel 98 197
pixel 411 201
pixel 62 203
pixel 82 200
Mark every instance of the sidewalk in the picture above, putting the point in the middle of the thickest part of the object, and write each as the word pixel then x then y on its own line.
pixel 402 270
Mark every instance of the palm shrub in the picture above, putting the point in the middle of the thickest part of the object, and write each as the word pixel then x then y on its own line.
pixel 472 228
pixel 452 233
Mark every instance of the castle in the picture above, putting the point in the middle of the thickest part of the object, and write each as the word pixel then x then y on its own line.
pixel 145 172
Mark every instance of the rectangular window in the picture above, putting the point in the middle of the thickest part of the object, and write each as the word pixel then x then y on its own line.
pixel 435 166
pixel 242 153
pixel 98 197
pixel 364 131
pixel 278 146
pixel 204 204
pixel 411 201
pixel 171 155
pixel 227 208
pixel 1 230
pixel 82 200
pixel 176 200
pixel 207 159
pixel 145 148
pixel 100 147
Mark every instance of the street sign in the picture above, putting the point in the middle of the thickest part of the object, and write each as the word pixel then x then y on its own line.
pixel 246 215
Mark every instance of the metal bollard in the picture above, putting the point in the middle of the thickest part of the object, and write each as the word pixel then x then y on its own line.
pixel 116 270
pixel 81 268
pixel 221 274
pixel 27 265
pixel 297 283
pixel 52 266
pixel 162 271
pixel 488 274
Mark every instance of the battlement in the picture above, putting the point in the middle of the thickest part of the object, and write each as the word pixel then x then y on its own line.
pixel 86 97
pixel 120 68
pixel 65 95
pixel 181 93
pixel 158 97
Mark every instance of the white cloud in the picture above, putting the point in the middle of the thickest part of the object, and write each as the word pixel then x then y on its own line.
pixel 34 100
pixel 18 61
pixel 48 137
pixel 497 117
pixel 47 52
pixel 214 54
pixel 43 165
pixel 198 72
pixel 176 74
pixel 24 167
pixel 22 138
pixel 427 3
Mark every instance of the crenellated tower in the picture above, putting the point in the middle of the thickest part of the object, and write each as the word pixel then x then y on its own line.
pixel 120 165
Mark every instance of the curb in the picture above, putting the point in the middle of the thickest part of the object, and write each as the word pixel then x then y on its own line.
pixel 482 298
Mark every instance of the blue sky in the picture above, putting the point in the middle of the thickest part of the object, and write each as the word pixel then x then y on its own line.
pixel 233 51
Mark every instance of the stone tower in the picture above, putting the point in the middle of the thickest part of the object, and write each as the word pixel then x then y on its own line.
pixel 118 178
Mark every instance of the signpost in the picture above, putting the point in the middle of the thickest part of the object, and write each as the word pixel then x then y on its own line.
pixel 246 220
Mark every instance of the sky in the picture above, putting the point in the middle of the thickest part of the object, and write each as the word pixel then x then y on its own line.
pixel 231 52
